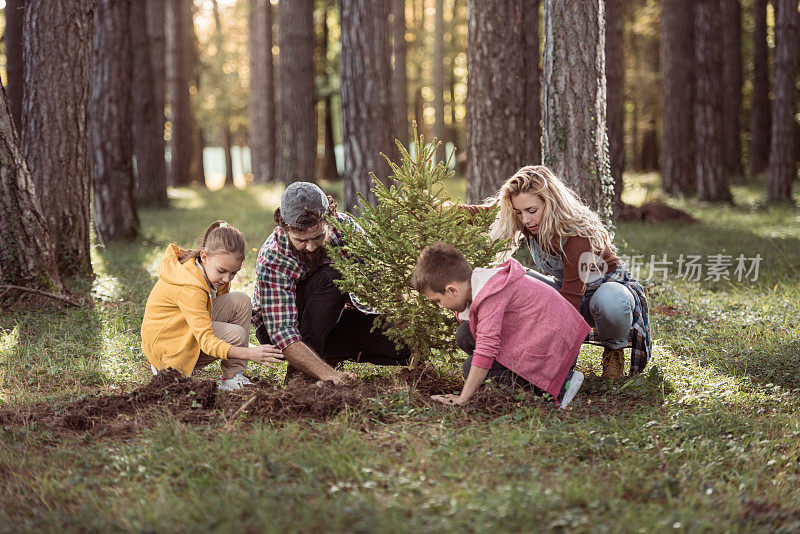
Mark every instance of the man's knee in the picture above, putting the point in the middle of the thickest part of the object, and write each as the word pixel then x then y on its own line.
pixel 611 300
pixel 464 338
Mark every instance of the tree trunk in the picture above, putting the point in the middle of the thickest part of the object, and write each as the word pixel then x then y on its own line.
pixel 760 120
pixel 179 60
pixel 440 128
pixel 262 92
pixel 783 150
pixel 298 139
pixel 495 97
pixel 574 100
pixel 366 101
pixel 328 169
pixel 15 14
pixel 533 86
pixel 227 147
pixel 399 75
pixel 679 173
pixel 156 16
pixel 196 162
pixel 27 257
pixel 115 215
pixel 712 181
pixel 731 21
pixel 615 79
pixel 55 135
pixel 223 108
pixel 146 118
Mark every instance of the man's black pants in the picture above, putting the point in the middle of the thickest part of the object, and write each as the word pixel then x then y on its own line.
pixel 334 332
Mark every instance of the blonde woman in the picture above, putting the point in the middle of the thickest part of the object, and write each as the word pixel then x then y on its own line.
pixel 573 249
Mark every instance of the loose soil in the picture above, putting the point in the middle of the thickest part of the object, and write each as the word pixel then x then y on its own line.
pixel 199 402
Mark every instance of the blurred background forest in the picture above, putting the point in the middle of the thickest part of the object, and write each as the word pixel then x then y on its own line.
pixel 222 93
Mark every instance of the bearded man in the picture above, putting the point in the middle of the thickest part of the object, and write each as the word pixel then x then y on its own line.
pixel 298 307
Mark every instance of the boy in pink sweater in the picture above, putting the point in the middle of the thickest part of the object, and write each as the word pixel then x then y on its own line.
pixel 519 330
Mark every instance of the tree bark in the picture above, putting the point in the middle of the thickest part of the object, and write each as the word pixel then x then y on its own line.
pixel 15 15
pixel 366 95
pixel 328 169
pixel 731 20
pixel 439 128
pixel 224 111
pixel 533 86
pixel 27 257
pixel 783 150
pixel 574 100
pixel 615 80
pixel 262 92
pixel 146 117
pixel 196 163
pixel 55 135
pixel 712 181
pixel 180 105
pixel 399 75
pixel 679 172
pixel 115 215
pixel 760 120
pixel 298 126
pixel 156 33
pixel 495 97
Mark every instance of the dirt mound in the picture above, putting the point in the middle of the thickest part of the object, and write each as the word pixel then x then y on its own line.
pixel 654 212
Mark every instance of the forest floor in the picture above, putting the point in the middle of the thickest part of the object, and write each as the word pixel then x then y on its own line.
pixel 706 439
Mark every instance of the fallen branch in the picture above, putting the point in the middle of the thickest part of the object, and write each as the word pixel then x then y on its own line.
pixel 6 288
pixel 243 407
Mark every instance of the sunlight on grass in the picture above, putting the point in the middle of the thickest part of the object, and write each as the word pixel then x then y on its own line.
pixel 9 342
pixel 186 198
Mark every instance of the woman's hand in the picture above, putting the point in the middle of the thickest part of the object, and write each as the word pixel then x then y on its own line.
pixel 450 399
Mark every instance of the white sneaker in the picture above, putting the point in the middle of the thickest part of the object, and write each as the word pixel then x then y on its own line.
pixel 572 389
pixel 153 368
pixel 237 382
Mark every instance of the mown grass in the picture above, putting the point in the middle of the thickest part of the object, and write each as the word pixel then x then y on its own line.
pixel 707 441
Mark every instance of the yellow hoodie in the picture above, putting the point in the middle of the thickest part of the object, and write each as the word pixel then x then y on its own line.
pixel 177 318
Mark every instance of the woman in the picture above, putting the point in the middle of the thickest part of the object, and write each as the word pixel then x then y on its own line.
pixel 570 244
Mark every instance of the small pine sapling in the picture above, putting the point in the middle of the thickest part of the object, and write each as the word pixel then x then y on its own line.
pixel 411 213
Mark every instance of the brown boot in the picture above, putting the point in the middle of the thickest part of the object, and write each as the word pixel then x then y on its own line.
pixel 613 363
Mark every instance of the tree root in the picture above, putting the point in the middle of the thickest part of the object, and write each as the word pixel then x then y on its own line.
pixel 6 288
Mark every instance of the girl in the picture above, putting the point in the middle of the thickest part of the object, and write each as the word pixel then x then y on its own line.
pixel 191 318
pixel 569 243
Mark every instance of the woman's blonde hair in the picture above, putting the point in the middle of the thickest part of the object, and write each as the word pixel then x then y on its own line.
pixel 563 214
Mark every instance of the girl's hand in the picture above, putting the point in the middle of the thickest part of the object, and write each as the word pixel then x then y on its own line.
pixel 265 354
pixel 450 399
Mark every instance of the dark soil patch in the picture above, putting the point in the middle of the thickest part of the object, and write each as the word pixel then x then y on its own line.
pixel 654 212
pixel 667 311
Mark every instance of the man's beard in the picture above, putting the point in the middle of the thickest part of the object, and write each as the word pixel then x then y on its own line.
pixel 312 260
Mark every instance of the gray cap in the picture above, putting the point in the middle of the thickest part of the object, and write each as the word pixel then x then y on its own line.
pixel 301 198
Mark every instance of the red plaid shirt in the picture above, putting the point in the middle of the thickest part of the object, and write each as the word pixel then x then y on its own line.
pixel 277 274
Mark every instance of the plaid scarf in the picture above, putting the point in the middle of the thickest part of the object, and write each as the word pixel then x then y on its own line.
pixel 641 343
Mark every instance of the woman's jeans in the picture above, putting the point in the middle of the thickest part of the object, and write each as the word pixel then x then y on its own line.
pixel 609 311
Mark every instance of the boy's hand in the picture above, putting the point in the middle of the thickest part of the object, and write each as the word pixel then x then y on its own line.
pixel 450 399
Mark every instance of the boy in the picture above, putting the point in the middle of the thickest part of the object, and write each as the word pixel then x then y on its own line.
pixel 519 329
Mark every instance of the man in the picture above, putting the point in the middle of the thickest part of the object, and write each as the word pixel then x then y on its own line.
pixel 297 305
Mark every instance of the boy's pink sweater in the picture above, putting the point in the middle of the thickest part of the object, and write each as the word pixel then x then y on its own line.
pixel 526 326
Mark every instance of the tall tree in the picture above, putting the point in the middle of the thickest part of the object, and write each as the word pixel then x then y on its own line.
pixel 328 168
pixel 55 134
pixel 198 143
pixel 224 108
pixel 679 172
pixel 712 181
pixel 178 67
pixel 783 149
pixel 147 119
pixel 440 128
pixel 533 86
pixel 112 147
pixel 15 14
pixel 495 98
pixel 731 21
pixel 156 35
pixel 298 119
pixel 574 99
pixel 27 257
pixel 615 81
pixel 760 114
pixel 366 89
pixel 399 75
pixel 262 92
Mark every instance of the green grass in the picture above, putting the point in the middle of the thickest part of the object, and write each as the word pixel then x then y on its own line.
pixel 710 445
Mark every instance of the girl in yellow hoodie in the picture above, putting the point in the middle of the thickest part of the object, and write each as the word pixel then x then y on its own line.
pixel 191 318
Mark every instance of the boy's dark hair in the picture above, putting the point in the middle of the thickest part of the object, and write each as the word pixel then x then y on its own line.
pixel 438 265
pixel 309 219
